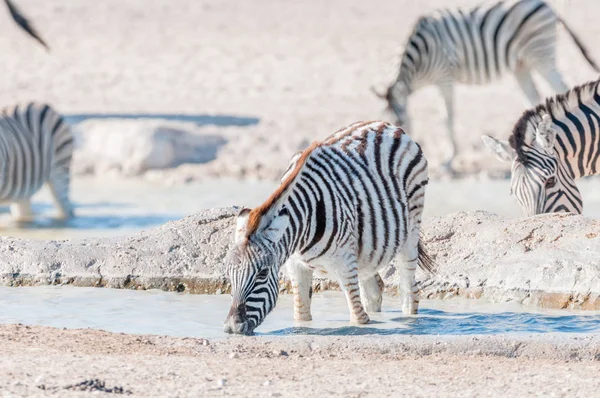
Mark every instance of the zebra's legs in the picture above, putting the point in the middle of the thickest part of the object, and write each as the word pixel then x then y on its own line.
pixel 555 79
pixel 59 188
pixel 526 83
pixel 21 210
pixel 301 278
pixel 407 266
pixel 346 270
pixel 447 91
pixel 371 291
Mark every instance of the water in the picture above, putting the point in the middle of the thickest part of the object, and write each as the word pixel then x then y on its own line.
pixel 109 207
pixel 157 312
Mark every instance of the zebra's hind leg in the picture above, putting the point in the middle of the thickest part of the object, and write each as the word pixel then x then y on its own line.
pixel 346 270
pixel 523 76
pixel 371 292
pixel 301 277
pixel 21 210
pixel 59 188
pixel 447 91
pixel 407 266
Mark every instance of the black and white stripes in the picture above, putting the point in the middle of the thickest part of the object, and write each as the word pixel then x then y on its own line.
pixel 477 46
pixel 347 207
pixel 35 148
pixel 24 23
pixel 551 146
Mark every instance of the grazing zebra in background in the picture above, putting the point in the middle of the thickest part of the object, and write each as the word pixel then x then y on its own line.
pixel 476 47
pixel 24 23
pixel 348 206
pixel 35 148
pixel 551 146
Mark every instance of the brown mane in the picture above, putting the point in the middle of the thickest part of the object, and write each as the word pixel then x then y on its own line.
pixel 256 214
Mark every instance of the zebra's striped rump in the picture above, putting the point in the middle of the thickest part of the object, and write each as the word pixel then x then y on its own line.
pixel 550 147
pixel 347 206
pixel 36 147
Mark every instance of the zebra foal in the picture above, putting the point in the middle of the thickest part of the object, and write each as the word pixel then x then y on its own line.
pixel 550 147
pixel 478 46
pixel 36 147
pixel 347 207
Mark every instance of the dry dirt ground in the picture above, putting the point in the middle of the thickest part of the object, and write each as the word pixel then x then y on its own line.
pixel 301 69
pixel 40 361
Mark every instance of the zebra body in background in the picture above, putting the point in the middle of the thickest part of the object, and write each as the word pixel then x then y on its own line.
pixel 478 46
pixel 24 23
pixel 347 207
pixel 36 147
pixel 550 147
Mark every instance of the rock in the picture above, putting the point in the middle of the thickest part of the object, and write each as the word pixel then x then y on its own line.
pixel 234 355
pixel 133 146
pixel 550 261
pixel 221 383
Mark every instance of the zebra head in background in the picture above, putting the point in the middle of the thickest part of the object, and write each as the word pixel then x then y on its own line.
pixel 539 179
pixel 396 97
pixel 253 266
pixel 24 23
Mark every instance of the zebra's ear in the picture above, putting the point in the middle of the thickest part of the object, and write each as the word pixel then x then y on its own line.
pixel 545 134
pixel 502 149
pixel 275 229
pixel 241 224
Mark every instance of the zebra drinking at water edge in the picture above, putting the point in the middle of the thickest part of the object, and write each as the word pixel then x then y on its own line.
pixel 551 146
pixel 476 47
pixel 36 147
pixel 347 207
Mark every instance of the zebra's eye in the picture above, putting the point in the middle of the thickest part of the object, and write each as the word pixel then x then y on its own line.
pixel 550 182
pixel 263 273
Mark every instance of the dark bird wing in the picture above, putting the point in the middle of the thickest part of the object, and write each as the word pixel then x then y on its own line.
pixel 24 23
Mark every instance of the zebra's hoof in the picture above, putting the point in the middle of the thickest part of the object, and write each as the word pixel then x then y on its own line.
pixel 362 320
pixel 303 317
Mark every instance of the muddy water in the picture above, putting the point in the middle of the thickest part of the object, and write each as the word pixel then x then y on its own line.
pixel 156 312
pixel 119 207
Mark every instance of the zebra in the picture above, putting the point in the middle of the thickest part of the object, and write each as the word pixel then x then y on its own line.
pixel 24 23
pixel 550 147
pixel 478 46
pixel 347 207
pixel 36 147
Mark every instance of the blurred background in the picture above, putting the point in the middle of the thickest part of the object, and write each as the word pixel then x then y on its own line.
pixel 179 105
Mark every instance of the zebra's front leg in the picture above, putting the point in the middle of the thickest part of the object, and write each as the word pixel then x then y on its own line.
pixel 371 292
pixel 407 284
pixel 347 273
pixel 526 83
pixel 447 91
pixel 301 277
pixel 21 210
pixel 59 184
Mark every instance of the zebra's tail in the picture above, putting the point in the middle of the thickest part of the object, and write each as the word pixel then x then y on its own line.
pixel 425 262
pixel 579 44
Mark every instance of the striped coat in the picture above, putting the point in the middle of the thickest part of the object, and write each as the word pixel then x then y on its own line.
pixel 477 46
pixel 347 207
pixel 36 147
pixel 550 147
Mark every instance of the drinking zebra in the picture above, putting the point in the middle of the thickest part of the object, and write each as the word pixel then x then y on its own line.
pixel 24 23
pixel 478 46
pixel 35 148
pixel 551 146
pixel 348 206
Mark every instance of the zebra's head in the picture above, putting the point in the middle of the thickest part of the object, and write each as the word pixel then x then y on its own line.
pixel 539 179
pixel 252 266
pixel 396 96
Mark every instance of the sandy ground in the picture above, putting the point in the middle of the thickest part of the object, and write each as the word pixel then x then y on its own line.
pixel 301 69
pixel 45 361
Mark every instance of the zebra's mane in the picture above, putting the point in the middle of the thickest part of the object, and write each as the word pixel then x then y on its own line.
pixel 257 213
pixel 557 107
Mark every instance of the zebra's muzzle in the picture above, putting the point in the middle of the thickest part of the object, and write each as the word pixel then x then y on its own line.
pixel 236 322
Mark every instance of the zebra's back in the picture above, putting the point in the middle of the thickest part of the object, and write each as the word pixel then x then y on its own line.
pixel 34 143
pixel 369 179
pixel 489 40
